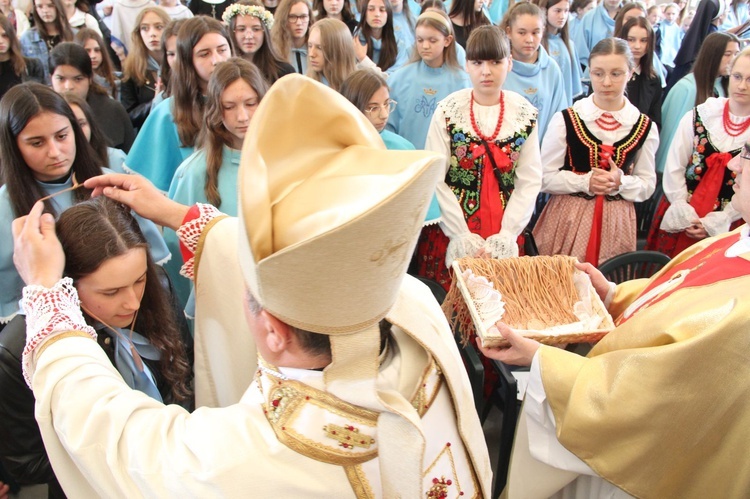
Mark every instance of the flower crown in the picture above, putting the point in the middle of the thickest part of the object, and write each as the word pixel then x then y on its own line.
pixel 248 10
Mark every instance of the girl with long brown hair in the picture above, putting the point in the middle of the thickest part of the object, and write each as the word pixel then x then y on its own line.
pixel 290 33
pixel 251 26
pixel 43 153
pixel 209 175
pixel 104 72
pixel 14 67
pixel 141 69
pixel 51 27
pixel 120 290
pixel 169 134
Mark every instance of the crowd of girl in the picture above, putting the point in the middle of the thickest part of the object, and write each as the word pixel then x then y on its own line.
pixel 556 98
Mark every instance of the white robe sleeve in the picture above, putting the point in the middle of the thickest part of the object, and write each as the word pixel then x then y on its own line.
pixel 640 184
pixel 680 214
pixel 555 180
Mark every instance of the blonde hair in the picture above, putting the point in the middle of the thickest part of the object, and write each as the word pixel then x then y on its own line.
pixel 441 22
pixel 339 59
pixel 136 64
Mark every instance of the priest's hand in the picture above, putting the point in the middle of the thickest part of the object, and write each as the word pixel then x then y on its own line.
pixel 141 196
pixel 696 230
pixel 37 253
pixel 4 490
pixel 520 352
pixel 600 283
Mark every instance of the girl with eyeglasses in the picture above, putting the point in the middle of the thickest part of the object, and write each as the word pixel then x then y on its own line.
pixel 368 90
pixel 708 78
pixel 558 44
pixel 433 74
pixel 698 186
pixel 598 160
pixel 142 64
pixel 251 26
pixel 533 73
pixel 289 35
pixel 493 171
pixel 43 153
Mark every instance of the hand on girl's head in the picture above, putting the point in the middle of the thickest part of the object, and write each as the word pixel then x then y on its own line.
pixel 37 253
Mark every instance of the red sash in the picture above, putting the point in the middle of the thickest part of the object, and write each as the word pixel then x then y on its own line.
pixel 595 238
pixel 491 208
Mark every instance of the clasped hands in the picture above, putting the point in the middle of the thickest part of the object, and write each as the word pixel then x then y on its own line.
pixel 603 182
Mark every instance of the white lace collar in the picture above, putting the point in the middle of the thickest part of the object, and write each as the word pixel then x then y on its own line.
pixel 589 111
pixel 711 113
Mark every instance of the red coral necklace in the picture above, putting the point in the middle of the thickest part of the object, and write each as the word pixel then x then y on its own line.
pixel 607 122
pixel 734 129
pixel 499 119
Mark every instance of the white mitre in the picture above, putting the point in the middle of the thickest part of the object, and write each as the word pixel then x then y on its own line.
pixel 331 219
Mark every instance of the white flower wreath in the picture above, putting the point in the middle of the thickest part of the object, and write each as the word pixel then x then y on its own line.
pixel 248 10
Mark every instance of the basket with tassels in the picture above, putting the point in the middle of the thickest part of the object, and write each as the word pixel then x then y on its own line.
pixel 541 297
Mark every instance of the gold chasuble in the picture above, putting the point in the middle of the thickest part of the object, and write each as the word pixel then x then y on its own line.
pixel 661 406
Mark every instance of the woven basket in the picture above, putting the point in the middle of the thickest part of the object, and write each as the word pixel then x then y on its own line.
pixel 542 336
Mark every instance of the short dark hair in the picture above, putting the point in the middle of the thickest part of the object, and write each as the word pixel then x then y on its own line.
pixel 487 43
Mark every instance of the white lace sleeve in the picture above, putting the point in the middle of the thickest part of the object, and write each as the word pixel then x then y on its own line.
pixel 502 245
pixel 463 245
pixel 190 232
pixel 719 222
pixel 49 312
pixel 678 217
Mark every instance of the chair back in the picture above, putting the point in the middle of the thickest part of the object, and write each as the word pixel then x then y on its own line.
pixel 633 265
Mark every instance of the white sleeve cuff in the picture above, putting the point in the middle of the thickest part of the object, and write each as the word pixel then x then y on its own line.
pixel 461 246
pixel 678 217
pixel 502 245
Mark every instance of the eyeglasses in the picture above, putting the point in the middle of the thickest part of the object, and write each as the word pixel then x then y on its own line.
pixel 737 78
pixel 614 76
pixel 376 110
pixel 244 29
pixel 295 19
pixel 746 158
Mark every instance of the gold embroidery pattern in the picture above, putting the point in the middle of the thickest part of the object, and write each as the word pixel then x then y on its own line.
pixel 432 381
pixel 440 485
pixel 348 436
pixel 280 399
pixel 358 480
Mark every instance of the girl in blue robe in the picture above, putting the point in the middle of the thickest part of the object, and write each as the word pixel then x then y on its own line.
pixel 169 134
pixel 560 47
pixel 533 74
pixel 209 175
pixel 432 75
pixel 596 25
pixel 44 153
pixel 376 29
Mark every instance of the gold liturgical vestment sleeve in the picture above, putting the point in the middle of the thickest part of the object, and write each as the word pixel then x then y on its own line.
pixel 661 406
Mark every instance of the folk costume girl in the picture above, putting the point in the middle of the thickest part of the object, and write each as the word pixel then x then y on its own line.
pixel 708 78
pixel 43 152
pixel 107 261
pixel 698 186
pixel 559 45
pixel 169 134
pixel 534 74
pixel 599 160
pixel 493 168
pixel 142 65
pixel 432 75
pixel 251 26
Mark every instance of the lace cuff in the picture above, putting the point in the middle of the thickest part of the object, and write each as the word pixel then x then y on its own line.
pixel 50 311
pixel 581 183
pixel 466 244
pixel 502 245
pixel 678 217
pixel 718 222
pixel 190 232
